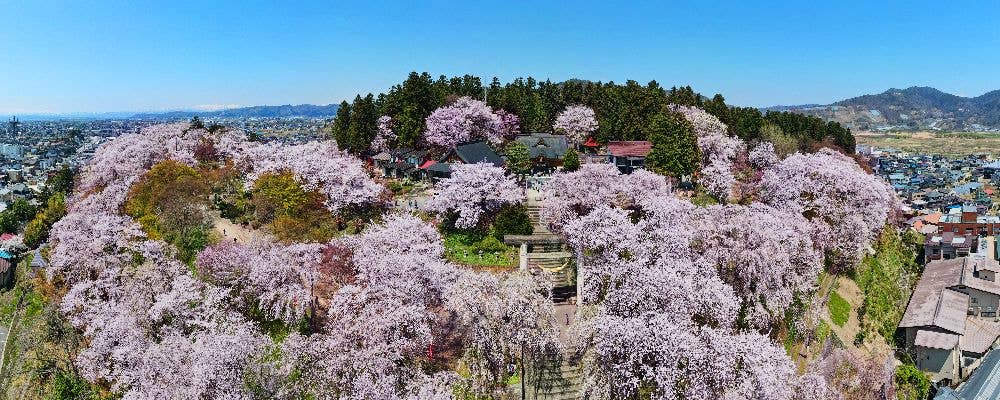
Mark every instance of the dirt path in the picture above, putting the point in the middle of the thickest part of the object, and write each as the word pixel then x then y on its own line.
pixel 232 232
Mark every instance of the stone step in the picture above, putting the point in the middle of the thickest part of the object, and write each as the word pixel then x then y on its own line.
pixel 549 255
pixel 562 383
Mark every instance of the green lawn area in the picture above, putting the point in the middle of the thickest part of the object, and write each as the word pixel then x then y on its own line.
pixel 478 250
pixel 839 309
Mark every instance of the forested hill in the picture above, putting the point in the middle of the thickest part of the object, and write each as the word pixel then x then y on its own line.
pixel 284 111
pixel 913 108
pixel 624 111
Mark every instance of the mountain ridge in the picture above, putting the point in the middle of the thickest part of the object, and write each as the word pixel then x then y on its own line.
pixel 262 111
pixel 279 111
pixel 912 108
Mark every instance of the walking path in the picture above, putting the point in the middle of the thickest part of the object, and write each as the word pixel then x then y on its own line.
pixel 562 379
pixel 235 233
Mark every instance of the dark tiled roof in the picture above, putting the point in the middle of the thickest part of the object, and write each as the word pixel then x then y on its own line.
pixel 545 145
pixel 402 151
pixel 417 153
pixel 477 152
pixel 443 168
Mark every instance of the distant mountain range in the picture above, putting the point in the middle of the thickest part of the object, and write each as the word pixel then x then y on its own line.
pixel 285 111
pixel 913 108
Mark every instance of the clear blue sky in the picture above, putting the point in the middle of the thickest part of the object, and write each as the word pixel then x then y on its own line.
pixel 87 56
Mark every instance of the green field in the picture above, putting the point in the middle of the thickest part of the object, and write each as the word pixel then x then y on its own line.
pixel 956 144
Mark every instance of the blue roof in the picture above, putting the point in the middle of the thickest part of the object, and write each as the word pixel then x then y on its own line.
pixel 983 384
pixel 993 165
pixel 966 188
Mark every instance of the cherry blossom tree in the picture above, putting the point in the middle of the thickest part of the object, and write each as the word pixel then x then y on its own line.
pixel 843 374
pixel 507 319
pixel 474 191
pixel 846 206
pixel 763 156
pixel 319 165
pixel 385 135
pixel 765 254
pixel 570 194
pixel 719 151
pixel 510 124
pixel 576 122
pixel 280 279
pixel 405 300
pixel 466 120
pixel 663 323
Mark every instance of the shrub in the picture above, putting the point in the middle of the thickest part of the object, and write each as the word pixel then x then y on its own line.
pixel 675 146
pixel 292 213
pixel 37 231
pixel 840 309
pixel 512 220
pixel 571 161
pixel 169 202
pixel 395 187
pixel 278 194
pixel 518 158
pixel 13 218
pixel 911 383
pixel 885 278
pixel 490 244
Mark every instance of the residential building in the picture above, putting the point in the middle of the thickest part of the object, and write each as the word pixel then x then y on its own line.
pixel 629 155
pixel 948 245
pixel 951 322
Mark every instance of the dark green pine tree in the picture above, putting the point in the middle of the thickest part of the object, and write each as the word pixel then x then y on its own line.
pixel 675 146
pixel 340 124
pixel 364 119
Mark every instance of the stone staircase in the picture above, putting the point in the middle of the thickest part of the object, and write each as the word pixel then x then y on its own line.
pixel 556 264
pixel 559 380
pixel 535 212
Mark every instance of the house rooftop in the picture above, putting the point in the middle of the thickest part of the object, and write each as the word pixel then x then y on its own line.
pixel 981 385
pixel 980 334
pixel 638 148
pixel 932 303
pixel 477 152
pixel 936 340
pixel 545 145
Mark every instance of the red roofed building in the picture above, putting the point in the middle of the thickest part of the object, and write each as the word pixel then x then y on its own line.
pixel 629 155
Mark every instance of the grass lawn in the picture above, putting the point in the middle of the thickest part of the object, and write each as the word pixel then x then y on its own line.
pixel 955 144
pixel 840 309
pixel 462 248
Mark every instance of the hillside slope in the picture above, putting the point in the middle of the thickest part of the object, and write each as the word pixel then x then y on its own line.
pixel 913 108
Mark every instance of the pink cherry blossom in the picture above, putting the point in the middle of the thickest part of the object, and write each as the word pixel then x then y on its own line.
pixel 576 122
pixel 570 194
pixel 467 120
pixel 385 135
pixel 474 191
pixel 846 206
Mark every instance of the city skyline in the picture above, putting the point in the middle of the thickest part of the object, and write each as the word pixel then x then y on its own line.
pixel 69 57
